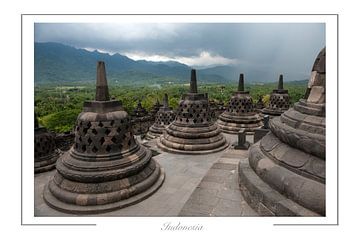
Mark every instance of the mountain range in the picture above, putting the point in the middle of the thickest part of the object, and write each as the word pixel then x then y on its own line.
pixel 57 63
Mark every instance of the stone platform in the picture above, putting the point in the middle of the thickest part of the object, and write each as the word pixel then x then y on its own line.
pixel 218 193
pixel 188 178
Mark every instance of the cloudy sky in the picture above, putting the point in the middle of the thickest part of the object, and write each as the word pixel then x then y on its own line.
pixel 269 46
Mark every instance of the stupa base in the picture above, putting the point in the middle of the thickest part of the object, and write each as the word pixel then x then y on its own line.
pixel 265 200
pixel 47 164
pixel 277 179
pixel 154 132
pixel 231 124
pixel 226 128
pixel 59 205
pixel 189 149
pixel 271 113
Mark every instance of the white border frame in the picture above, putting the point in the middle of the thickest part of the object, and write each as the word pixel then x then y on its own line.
pixel 227 223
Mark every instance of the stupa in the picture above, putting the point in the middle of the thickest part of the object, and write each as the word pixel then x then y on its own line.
pixel 164 117
pixel 217 108
pixel 240 113
pixel 107 168
pixel 193 131
pixel 259 104
pixel 140 119
pixel 140 111
pixel 64 141
pixel 155 109
pixel 279 100
pixel 45 151
pixel 285 172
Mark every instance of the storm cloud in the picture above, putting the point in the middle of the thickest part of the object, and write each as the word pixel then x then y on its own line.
pixel 276 47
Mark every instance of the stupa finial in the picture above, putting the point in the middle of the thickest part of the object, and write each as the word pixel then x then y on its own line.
pixel 241 82
pixel 193 84
pixel 102 90
pixel 281 82
pixel 166 101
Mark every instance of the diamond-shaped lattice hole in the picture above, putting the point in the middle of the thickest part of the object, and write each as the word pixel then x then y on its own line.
pixel 118 129
pixel 80 139
pixel 108 148
pixel 101 124
pixel 88 124
pixel 83 148
pixel 114 140
pixel 94 131
pixel 85 130
pixel 94 149
pixel 102 140
pixel 112 122
pixel 89 141
pixel 129 143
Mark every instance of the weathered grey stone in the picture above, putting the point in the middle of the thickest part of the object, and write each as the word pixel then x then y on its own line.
pixel 317 94
pixel 290 159
pixel 106 168
pixel 164 117
pixel 102 91
pixel 242 143
pixel 141 120
pixel 279 101
pixel 46 151
pixel 193 131
pixel 240 112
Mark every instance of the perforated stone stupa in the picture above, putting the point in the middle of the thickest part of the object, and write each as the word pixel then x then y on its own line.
pixel 155 109
pixel 164 117
pixel 279 100
pixel 285 172
pixel 240 113
pixel 259 104
pixel 193 131
pixel 106 168
pixel 141 120
pixel 216 109
pixel 45 151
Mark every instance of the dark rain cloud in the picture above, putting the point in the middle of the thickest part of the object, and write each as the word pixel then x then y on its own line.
pixel 270 46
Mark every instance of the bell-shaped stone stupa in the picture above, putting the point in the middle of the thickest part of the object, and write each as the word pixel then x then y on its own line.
pixel 140 119
pixel 279 100
pixel 106 168
pixel 164 117
pixel 285 172
pixel 155 109
pixel 193 131
pixel 259 104
pixel 240 113
pixel 45 153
